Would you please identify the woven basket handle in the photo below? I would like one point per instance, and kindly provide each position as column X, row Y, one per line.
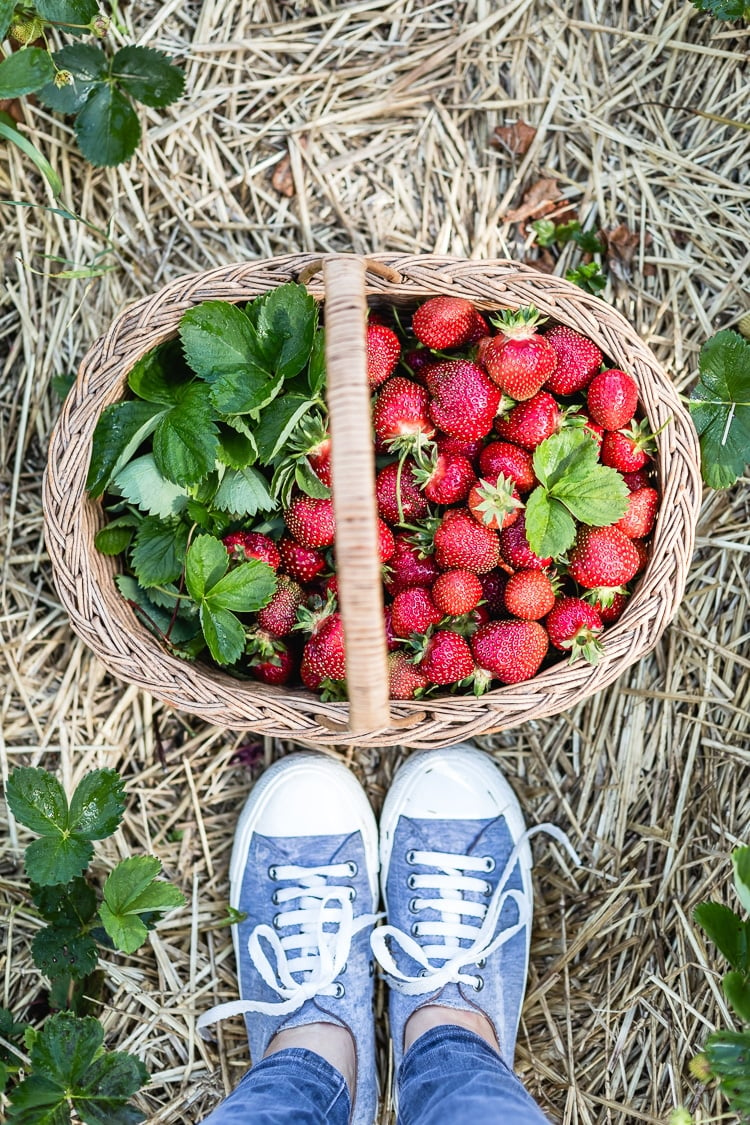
column 353, row 475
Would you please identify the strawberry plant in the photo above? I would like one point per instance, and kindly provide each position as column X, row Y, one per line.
column 720, row 407
column 67, row 1070
column 587, row 272
column 724, row 9
column 98, row 87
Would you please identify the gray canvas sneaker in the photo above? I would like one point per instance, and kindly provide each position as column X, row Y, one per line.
column 304, row 871
column 456, row 879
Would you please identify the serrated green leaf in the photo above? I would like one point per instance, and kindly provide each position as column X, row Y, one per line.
column 70, row 902
column 224, row 634
column 38, row 1101
column 160, row 376
column 720, row 408
column 286, row 323
column 308, row 481
column 597, row 497
column 120, row 430
column 57, row 859
column 97, row 805
column 316, row 375
column 728, row 1054
column 159, row 551
column 67, row 11
column 114, row 537
column 728, row 932
column 181, row 630
column 25, row 71
column 63, row 950
column 277, row 423
column 215, row 523
column 141, row 483
column 148, row 75
column 243, row 492
column 724, row 9
column 186, row 439
column 550, row 529
column 737, row 991
column 7, row 8
column 129, row 891
column 741, row 868
column 37, row 800
column 218, row 338
column 571, row 448
column 237, row 450
column 206, row 563
column 245, row 589
column 245, row 390
column 107, row 127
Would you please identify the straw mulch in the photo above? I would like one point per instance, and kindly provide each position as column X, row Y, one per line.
column 377, row 119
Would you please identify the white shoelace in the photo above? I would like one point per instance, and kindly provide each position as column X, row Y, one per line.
column 452, row 878
column 310, row 949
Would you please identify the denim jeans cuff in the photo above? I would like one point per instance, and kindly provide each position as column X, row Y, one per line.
column 450, row 1034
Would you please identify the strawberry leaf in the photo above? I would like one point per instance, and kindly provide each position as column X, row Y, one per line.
column 720, row 408
column 181, row 632
column 277, row 424
column 7, row 9
column 728, row 932
column 25, row 71
column 159, row 551
column 67, row 11
column 148, row 75
column 107, row 127
column 316, row 373
column 64, row 950
column 130, row 892
column 558, row 454
column 741, row 865
column 207, row 562
column 243, row 492
column 88, row 68
column 550, row 529
column 236, row 449
column 598, row 497
column 568, row 469
column 724, row 9
column 161, row 375
column 224, row 634
column 142, row 484
column 115, row 537
column 727, row 1053
column 186, row 439
column 737, row 991
column 121, row 429
column 286, row 321
column 222, row 347
column 245, row 589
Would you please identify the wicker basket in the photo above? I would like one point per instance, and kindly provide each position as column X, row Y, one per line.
column 85, row 578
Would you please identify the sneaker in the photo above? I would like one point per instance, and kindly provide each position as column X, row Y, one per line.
column 304, row 872
column 456, row 877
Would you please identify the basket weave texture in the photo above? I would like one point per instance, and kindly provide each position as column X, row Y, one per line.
column 85, row 578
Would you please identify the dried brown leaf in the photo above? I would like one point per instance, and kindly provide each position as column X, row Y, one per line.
column 538, row 200
column 622, row 244
column 544, row 262
column 282, row 180
column 515, row 138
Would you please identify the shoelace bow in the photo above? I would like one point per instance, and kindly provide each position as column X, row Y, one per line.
column 321, row 953
column 451, row 882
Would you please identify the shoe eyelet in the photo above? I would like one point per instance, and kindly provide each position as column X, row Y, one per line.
column 411, row 857
column 352, row 893
column 275, row 898
column 276, row 921
column 413, row 906
column 489, row 863
column 481, row 962
column 411, row 882
column 479, row 984
column 272, row 873
column 371, row 968
column 340, row 990
column 424, row 972
column 488, row 889
column 415, row 930
column 353, row 868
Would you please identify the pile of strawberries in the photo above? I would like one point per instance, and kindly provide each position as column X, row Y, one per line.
column 457, row 415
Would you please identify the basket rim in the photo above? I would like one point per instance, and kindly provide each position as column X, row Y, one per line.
column 71, row 518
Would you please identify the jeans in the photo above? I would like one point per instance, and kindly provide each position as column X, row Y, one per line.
column 449, row 1076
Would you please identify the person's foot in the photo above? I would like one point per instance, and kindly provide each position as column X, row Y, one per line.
column 304, row 872
column 456, row 879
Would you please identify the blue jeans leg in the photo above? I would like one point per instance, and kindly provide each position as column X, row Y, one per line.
column 450, row 1076
column 294, row 1085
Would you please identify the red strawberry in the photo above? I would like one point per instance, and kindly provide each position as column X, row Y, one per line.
column 639, row 518
column 445, row 478
column 493, row 592
column 480, row 330
column 447, row 658
column 416, row 361
column 413, row 611
column 463, row 544
column 456, row 592
column 331, row 586
column 520, row 361
column 495, row 503
column 609, row 613
column 386, row 542
column 515, row 549
column 468, row 449
column 300, row 562
column 444, row 322
column 641, row 478
column 510, row 460
column 627, row 450
column 414, row 504
column 400, row 415
column 644, row 553
column 465, row 401
column 531, row 422
column 408, row 569
column 311, row 521
column 612, row 399
column 405, row 678
column 280, row 615
column 511, row 650
column 579, row 418
column 276, row 669
column 529, row 594
column 323, row 655
column 574, row 625
column 383, row 350
column 243, row 545
column 578, row 360
column 391, row 639
column 602, row 558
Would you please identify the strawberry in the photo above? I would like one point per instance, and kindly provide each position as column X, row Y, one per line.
column 400, row 415
column 495, row 503
column 612, row 399
column 468, row 449
column 280, row 615
column 331, row 586
column 386, row 542
column 445, row 478
column 511, row 650
column 457, row 592
column 405, row 679
column 529, row 594
column 480, row 330
column 574, row 625
column 320, row 461
column 520, row 361
column 447, row 658
column 464, row 401
column 510, row 460
column 463, row 544
column 323, row 654
column 408, row 569
column 628, row 450
column 413, row 611
column 416, row 361
column 609, row 613
column 392, row 641
column 602, row 559
column 388, row 489
column 644, row 553
column 515, row 549
column 579, row 418
column 641, row 478
column 300, row 563
column 578, row 360
column 243, row 545
column 493, row 592
column 311, row 521
column 444, row 322
column 277, row 669
column 383, row 350
column 531, row 422
column 641, row 514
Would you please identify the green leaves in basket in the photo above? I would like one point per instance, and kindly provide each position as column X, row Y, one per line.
column 572, row 486
column 134, row 901
column 221, row 595
column 25, row 71
column 720, row 408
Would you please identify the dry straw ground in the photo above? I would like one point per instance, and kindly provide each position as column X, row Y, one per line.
column 383, row 112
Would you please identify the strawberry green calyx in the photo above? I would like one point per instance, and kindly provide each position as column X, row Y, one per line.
column 480, row 681
column 333, row 691
column 423, row 536
column 519, row 324
column 585, row 644
column 603, row 595
column 491, row 503
column 310, row 617
column 262, row 647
